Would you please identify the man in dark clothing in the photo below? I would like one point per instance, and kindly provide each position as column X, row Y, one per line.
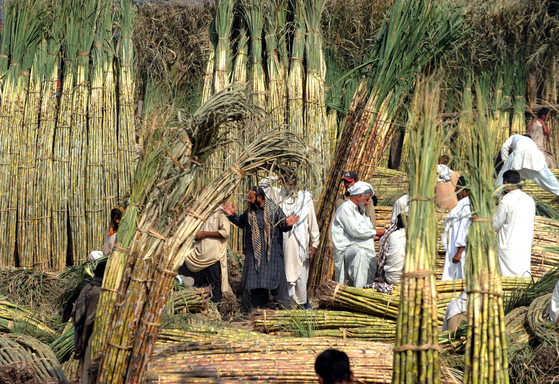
column 264, row 268
column 83, row 315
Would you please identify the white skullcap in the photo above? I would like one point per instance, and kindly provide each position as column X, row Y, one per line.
column 361, row 187
column 95, row 255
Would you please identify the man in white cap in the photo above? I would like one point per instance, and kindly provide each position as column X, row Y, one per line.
column 520, row 153
column 353, row 233
column 349, row 179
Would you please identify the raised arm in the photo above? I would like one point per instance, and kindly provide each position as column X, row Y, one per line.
column 239, row 221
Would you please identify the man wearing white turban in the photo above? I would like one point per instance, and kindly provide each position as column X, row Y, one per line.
column 355, row 260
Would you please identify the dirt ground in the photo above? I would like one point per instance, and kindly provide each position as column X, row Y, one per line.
column 546, row 360
column 18, row 373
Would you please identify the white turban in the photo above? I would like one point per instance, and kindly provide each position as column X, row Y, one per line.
column 361, row 187
column 95, row 255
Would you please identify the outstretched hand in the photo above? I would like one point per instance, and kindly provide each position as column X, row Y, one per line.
column 292, row 220
column 229, row 210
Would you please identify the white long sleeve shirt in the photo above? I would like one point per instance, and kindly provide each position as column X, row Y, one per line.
column 525, row 154
column 455, row 236
column 394, row 265
column 351, row 228
column 514, row 223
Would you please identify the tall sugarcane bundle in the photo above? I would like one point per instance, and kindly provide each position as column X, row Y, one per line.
column 486, row 348
column 224, row 25
column 25, row 183
column 296, row 80
column 396, row 56
column 277, row 91
column 270, row 321
column 518, row 122
column 126, row 129
column 16, row 348
column 210, row 66
column 24, row 26
column 95, row 194
column 168, row 249
column 241, row 57
column 253, row 14
column 416, row 356
column 45, row 177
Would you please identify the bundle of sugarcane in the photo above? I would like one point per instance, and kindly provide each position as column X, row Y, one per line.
column 516, row 330
column 385, row 333
column 518, row 124
column 486, row 349
column 63, row 346
column 286, row 360
column 270, row 321
column 544, row 259
column 190, row 300
column 15, row 318
column 368, row 124
column 540, row 324
column 454, row 341
column 535, row 288
column 416, row 352
column 21, row 348
column 165, row 232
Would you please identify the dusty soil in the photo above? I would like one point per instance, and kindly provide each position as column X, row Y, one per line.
column 546, row 360
column 18, row 373
column 229, row 304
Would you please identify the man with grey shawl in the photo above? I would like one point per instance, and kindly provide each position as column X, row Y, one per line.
column 83, row 315
column 264, row 269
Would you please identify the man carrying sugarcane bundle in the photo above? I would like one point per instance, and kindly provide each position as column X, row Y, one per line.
column 207, row 263
column 301, row 242
column 349, row 179
column 520, row 153
column 514, row 223
column 83, row 316
column 538, row 131
column 455, row 235
column 264, row 269
column 355, row 260
column 110, row 236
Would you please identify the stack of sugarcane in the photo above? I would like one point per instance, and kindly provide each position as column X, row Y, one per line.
column 540, row 323
column 190, row 300
column 56, row 63
column 14, row 318
column 486, row 349
column 516, row 331
column 165, row 231
column 416, row 352
column 16, row 348
column 63, row 346
column 195, row 356
column 377, row 99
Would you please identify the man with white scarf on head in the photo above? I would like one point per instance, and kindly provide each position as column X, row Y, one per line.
column 301, row 242
column 355, row 260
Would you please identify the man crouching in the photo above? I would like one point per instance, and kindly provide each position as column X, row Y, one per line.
column 355, row 260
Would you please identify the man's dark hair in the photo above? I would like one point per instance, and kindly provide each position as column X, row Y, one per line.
column 461, row 181
column 259, row 192
column 511, row 177
column 400, row 222
column 116, row 213
column 542, row 112
column 100, row 269
column 375, row 200
column 333, row 366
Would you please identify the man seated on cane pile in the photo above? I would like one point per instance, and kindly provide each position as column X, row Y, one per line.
column 455, row 235
column 349, row 179
column 83, row 316
column 110, row 236
column 514, row 223
column 521, row 154
column 301, row 242
column 264, row 269
column 446, row 182
column 538, row 131
column 355, row 260
column 332, row 367
column 207, row 263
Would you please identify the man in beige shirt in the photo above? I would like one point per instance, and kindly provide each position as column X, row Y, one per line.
column 207, row 263
column 349, row 179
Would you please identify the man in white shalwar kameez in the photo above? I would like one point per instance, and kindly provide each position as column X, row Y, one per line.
column 514, row 223
column 520, row 153
column 455, row 235
column 301, row 242
column 353, row 234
